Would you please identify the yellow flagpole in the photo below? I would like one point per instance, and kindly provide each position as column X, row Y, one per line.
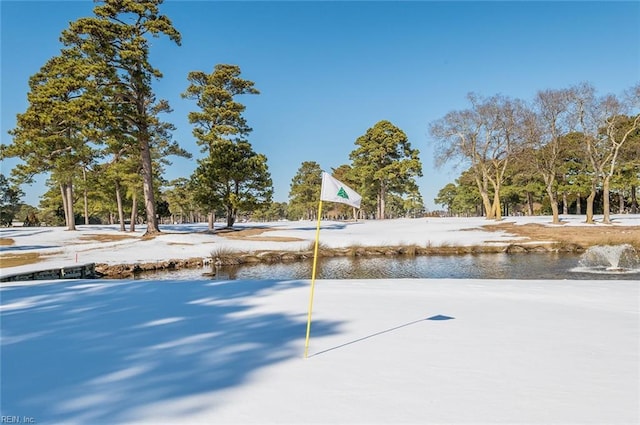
column 313, row 280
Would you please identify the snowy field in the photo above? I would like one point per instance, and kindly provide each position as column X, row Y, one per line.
column 419, row 351
column 61, row 248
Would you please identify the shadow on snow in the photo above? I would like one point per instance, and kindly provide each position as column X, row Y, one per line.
column 16, row 232
column 100, row 351
column 395, row 328
column 12, row 248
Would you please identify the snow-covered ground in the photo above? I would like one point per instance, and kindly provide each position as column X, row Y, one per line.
column 423, row 351
column 60, row 248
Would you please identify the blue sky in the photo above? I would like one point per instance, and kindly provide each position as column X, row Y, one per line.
column 328, row 71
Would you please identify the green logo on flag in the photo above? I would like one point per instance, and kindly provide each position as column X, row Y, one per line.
column 342, row 193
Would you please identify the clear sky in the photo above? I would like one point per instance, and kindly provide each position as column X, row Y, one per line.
column 328, row 71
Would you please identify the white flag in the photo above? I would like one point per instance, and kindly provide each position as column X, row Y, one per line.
column 335, row 191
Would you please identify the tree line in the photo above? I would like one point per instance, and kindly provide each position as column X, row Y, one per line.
column 566, row 146
column 94, row 124
column 383, row 170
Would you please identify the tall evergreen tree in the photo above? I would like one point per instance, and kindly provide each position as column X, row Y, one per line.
column 446, row 196
column 304, row 193
column 233, row 177
column 385, row 160
column 220, row 115
column 118, row 39
column 232, row 171
column 10, row 204
column 59, row 131
column 345, row 174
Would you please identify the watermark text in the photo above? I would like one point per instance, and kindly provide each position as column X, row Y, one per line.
column 6, row 419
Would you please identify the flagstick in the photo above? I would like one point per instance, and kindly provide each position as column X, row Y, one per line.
column 313, row 280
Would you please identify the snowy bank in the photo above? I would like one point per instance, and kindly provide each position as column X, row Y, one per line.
column 58, row 247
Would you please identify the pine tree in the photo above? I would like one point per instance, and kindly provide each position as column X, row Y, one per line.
column 232, row 176
column 304, row 194
column 9, row 201
column 59, row 131
column 384, row 161
column 117, row 39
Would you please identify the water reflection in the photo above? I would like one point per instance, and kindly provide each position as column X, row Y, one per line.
column 470, row 266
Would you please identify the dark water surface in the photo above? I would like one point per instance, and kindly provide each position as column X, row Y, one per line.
column 469, row 266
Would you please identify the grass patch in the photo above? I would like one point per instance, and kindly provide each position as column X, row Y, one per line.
column 584, row 236
column 410, row 250
column 354, row 250
column 15, row 260
column 105, row 238
column 6, row 242
column 222, row 252
column 311, row 246
column 253, row 234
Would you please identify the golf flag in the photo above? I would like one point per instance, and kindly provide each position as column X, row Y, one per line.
column 335, row 191
column 332, row 190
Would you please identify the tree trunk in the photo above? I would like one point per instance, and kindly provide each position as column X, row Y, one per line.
column 120, row 207
column 381, row 201
column 212, row 221
column 85, row 196
column 147, row 186
column 605, row 200
column 497, row 211
column 634, row 201
column 530, row 203
column 231, row 216
column 590, row 200
column 134, row 211
column 621, row 200
column 553, row 201
column 549, row 179
column 69, row 194
column 486, row 205
column 86, row 206
column 65, row 208
column 565, row 203
column 578, row 204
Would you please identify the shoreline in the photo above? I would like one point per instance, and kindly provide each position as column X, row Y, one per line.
column 232, row 258
column 190, row 245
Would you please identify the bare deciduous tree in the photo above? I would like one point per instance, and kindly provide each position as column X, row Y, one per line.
column 484, row 137
column 606, row 128
column 551, row 120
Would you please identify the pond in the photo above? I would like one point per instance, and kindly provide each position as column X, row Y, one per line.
column 469, row 266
